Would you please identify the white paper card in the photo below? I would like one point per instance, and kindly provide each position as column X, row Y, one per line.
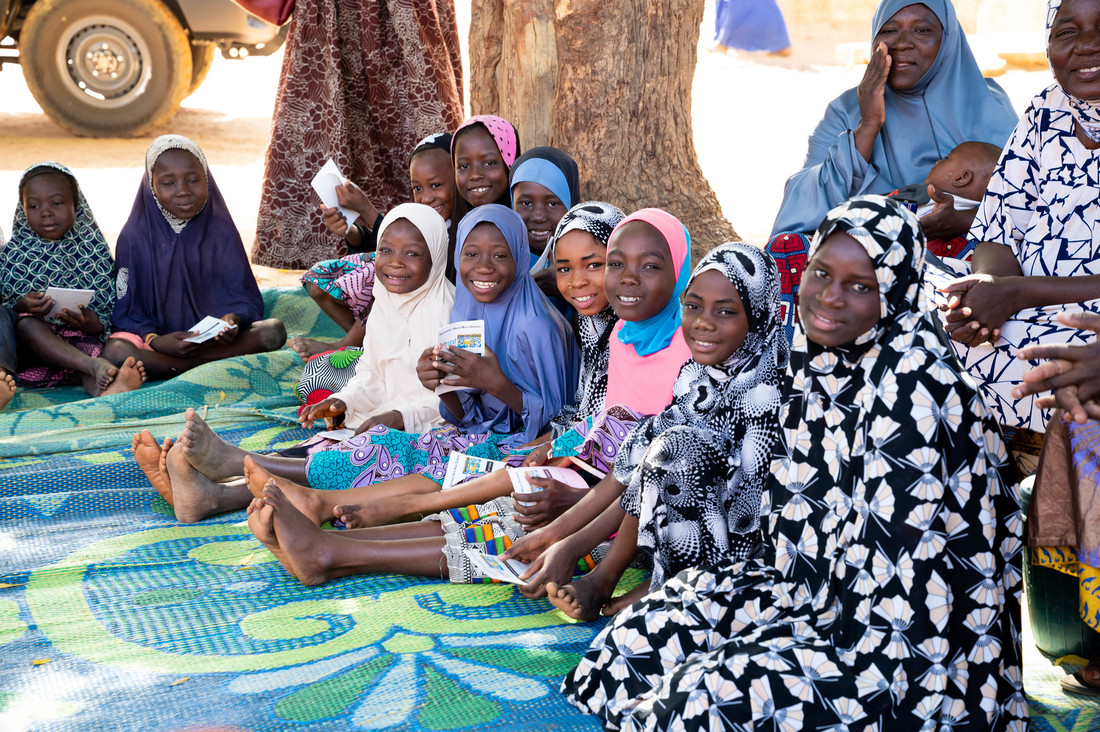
column 338, row 435
column 325, row 182
column 207, row 328
column 462, row 468
column 469, row 335
column 496, row 568
column 65, row 298
column 521, row 484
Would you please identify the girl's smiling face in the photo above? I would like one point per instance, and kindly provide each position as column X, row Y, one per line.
column 485, row 264
column 640, row 276
column 579, row 260
column 49, row 205
column 480, row 173
column 433, row 181
column 403, row 262
column 1074, row 48
column 179, row 183
column 838, row 299
column 714, row 320
column 540, row 210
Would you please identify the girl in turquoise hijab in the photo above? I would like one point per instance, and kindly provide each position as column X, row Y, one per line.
column 925, row 118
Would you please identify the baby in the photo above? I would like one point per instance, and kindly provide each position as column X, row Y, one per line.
column 964, row 174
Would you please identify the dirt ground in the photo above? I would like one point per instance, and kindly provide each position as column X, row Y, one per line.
column 752, row 116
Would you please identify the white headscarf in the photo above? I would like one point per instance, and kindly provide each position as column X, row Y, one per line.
column 400, row 328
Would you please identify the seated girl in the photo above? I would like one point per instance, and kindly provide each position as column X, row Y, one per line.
column 1038, row 231
column 56, row 243
column 180, row 259
column 414, row 298
column 342, row 287
column 691, row 476
column 483, row 150
column 647, row 270
column 506, row 397
column 544, row 184
column 889, row 596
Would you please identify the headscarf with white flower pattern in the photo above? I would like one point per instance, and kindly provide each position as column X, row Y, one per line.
column 890, row 597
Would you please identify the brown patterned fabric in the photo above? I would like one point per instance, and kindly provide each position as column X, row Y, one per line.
column 362, row 83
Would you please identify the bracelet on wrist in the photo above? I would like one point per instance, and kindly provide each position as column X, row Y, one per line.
column 149, row 337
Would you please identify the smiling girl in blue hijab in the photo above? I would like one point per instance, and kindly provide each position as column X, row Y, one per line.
column 925, row 118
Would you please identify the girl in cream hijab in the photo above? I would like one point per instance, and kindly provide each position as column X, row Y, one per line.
column 412, row 301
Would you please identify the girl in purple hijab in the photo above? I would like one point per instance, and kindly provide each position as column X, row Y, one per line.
column 179, row 260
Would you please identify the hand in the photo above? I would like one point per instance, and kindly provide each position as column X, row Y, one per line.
column 528, row 548
column 227, row 335
column 85, row 320
column 34, row 303
column 351, row 196
column 979, row 305
column 469, row 370
column 552, row 501
column 334, row 220
column 553, row 565
column 426, row 370
column 537, row 456
column 872, row 100
column 944, row 221
column 1072, row 372
column 174, row 344
column 326, row 410
column 391, row 419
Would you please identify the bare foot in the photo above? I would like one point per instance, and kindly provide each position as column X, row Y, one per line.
column 305, row 500
column 352, row 516
column 580, row 599
column 151, row 458
column 195, row 496
column 304, row 544
column 99, row 376
column 260, row 521
column 307, row 348
column 7, row 389
column 209, row 454
column 616, row 604
column 130, row 376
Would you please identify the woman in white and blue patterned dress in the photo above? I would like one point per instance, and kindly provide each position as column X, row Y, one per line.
column 1038, row 225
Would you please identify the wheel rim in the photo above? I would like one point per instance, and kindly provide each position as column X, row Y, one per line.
column 105, row 60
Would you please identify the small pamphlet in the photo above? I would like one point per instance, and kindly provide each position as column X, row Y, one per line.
column 496, row 568
column 469, row 335
column 65, row 298
column 462, row 468
column 207, row 328
column 522, row 484
column 325, row 182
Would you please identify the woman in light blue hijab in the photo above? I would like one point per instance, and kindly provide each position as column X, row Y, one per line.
column 919, row 120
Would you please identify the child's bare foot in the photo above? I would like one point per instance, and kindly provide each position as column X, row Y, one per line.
column 151, row 458
column 305, row 500
column 580, row 599
column 303, row 543
column 99, row 376
column 209, row 454
column 307, row 348
column 7, row 389
column 260, row 521
column 195, row 496
column 130, row 376
column 353, row 516
column 616, row 604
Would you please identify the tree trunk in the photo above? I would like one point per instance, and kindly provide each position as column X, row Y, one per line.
column 609, row 83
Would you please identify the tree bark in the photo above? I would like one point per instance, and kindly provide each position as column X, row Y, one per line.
column 609, row 83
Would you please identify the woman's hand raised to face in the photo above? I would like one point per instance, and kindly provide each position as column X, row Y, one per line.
column 872, row 100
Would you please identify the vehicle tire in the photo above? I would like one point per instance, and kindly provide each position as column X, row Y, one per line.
column 202, row 56
column 104, row 68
